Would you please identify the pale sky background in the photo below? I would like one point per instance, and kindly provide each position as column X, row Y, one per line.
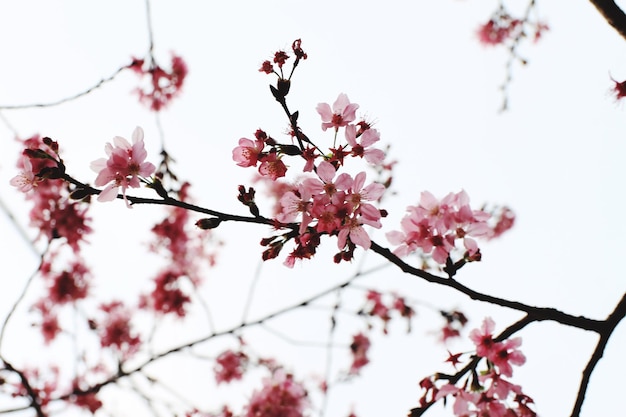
column 417, row 69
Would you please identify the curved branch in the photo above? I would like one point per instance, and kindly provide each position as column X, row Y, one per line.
column 536, row 313
column 610, row 324
column 612, row 14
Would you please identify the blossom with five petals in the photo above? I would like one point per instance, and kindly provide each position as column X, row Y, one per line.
column 342, row 113
column 126, row 163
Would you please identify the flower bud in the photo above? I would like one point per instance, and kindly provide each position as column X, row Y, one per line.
column 208, row 223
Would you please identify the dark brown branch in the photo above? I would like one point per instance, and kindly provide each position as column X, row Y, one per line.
column 34, row 397
column 536, row 313
column 612, row 14
column 609, row 326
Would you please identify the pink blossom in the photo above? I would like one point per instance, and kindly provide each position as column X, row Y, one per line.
column 359, row 348
column 505, row 353
column 280, row 396
column 293, row 204
column 435, row 225
column 53, row 214
column 116, row 330
column 359, row 194
column 25, row 180
column 342, row 113
column 230, row 366
column 163, row 85
column 354, row 230
column 70, row 285
column 248, row 152
column 362, row 148
column 167, row 297
column 483, row 338
column 272, row 166
column 498, row 29
column 126, row 163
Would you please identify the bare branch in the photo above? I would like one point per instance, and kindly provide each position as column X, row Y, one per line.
column 612, row 14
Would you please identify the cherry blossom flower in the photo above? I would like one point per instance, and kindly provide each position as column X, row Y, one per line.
column 435, row 225
column 53, row 213
column 498, row 29
column 248, row 152
column 361, row 148
column 342, row 113
column 230, row 366
column 272, row 166
column 280, row 396
column 70, row 285
column 505, row 221
column 163, row 85
column 505, row 353
column 116, row 331
column 49, row 325
column 123, row 168
column 359, row 347
column 483, row 338
column 266, row 67
column 87, row 400
column 25, row 180
column 294, row 204
column 501, row 354
column 166, row 297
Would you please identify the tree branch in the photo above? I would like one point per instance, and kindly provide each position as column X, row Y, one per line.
column 609, row 326
column 612, row 14
column 536, row 313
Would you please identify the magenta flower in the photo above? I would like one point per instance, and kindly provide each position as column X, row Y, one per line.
column 342, row 114
column 126, row 163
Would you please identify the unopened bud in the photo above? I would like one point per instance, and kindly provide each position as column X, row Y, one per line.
column 208, row 223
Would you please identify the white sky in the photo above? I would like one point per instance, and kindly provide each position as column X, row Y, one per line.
column 417, row 69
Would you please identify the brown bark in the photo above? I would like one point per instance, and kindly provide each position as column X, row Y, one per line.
column 612, row 14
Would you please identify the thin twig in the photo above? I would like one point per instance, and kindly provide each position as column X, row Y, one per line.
column 65, row 100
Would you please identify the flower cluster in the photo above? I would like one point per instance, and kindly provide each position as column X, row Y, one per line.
column 502, row 27
column 375, row 306
column 185, row 253
column 124, row 166
column 281, row 57
column 359, row 347
column 487, row 394
column 53, row 213
column 115, row 329
column 336, row 205
column 434, row 226
column 163, row 85
column 500, row 354
column 280, row 396
column 251, row 153
column 455, row 321
column 230, row 366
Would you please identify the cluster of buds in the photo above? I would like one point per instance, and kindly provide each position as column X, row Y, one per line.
column 163, row 85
